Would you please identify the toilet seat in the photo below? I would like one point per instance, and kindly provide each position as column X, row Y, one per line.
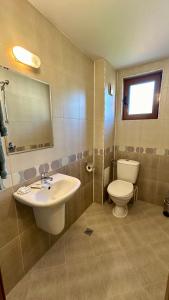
column 120, row 189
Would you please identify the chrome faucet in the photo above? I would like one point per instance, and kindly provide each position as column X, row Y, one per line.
column 45, row 179
column 45, row 182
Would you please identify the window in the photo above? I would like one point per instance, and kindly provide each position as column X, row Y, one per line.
column 141, row 96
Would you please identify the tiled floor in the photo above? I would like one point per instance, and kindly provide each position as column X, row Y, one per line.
column 124, row 259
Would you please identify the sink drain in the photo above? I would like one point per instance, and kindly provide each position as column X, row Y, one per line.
column 88, row 231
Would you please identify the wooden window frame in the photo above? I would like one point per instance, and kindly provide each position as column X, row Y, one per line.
column 127, row 82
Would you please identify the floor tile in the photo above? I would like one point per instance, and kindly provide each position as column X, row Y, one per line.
column 123, row 259
column 156, row 291
column 78, row 248
column 141, row 256
column 153, row 272
column 49, row 284
column 55, row 256
column 161, row 250
column 123, row 281
column 20, row 291
column 139, row 294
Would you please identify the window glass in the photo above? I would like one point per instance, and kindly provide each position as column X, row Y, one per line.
column 141, row 98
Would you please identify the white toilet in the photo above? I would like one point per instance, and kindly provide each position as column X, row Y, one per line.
column 121, row 190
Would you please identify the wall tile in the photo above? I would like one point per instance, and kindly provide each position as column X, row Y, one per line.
column 25, row 216
column 153, row 175
column 43, row 168
column 98, row 178
column 29, row 173
column 147, row 133
column 86, row 134
column 8, row 220
column 64, row 161
column 71, row 135
column 34, row 243
column 58, row 95
column 85, row 176
column 88, row 194
column 82, row 205
column 149, row 161
column 108, row 159
column 59, row 137
column 72, row 103
column 70, row 75
column 72, row 158
column 148, row 190
column 11, row 264
column 79, row 156
column 73, row 169
column 72, row 209
column 162, row 191
column 98, row 190
column 55, row 164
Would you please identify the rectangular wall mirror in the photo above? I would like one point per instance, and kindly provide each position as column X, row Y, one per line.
column 26, row 106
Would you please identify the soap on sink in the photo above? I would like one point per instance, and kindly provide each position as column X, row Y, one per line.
column 24, row 190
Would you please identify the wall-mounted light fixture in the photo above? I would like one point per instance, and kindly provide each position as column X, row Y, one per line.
column 24, row 56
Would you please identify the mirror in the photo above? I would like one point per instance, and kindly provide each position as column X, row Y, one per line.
column 27, row 112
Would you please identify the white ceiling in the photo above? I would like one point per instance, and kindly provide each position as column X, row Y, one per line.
column 125, row 32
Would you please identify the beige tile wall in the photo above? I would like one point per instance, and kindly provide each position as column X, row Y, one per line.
column 70, row 74
column 144, row 133
column 21, row 242
column 146, row 140
column 153, row 183
column 99, row 130
column 109, row 106
column 104, row 124
column 64, row 67
column 99, row 104
column 109, row 123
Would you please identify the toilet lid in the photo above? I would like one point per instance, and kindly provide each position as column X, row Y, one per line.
column 120, row 188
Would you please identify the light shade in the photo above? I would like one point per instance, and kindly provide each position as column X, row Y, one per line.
column 24, row 56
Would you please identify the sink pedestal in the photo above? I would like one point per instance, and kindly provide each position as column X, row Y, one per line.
column 50, row 219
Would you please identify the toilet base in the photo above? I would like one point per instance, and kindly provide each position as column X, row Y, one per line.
column 120, row 211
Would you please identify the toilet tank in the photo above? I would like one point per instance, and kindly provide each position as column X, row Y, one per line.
column 127, row 170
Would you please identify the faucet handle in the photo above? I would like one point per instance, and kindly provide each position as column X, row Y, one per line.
column 44, row 175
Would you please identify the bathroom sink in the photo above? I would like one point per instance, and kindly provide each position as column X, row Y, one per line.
column 62, row 187
column 49, row 204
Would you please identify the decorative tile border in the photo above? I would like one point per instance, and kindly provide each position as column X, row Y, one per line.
column 56, row 164
column 23, row 175
column 27, row 174
column 143, row 150
column 79, row 156
column 72, row 158
column 103, row 151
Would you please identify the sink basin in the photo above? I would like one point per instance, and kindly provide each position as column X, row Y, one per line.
column 62, row 187
column 49, row 204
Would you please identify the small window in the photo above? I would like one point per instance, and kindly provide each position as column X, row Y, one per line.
column 141, row 96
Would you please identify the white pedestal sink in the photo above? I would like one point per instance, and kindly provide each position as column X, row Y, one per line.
column 49, row 204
